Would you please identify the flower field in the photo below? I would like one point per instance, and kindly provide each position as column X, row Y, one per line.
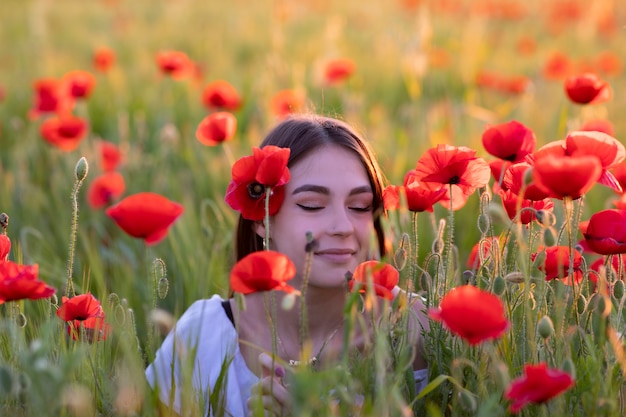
column 499, row 127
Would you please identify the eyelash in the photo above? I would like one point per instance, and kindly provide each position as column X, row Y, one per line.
column 357, row 209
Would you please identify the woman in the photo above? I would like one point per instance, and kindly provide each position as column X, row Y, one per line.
column 334, row 195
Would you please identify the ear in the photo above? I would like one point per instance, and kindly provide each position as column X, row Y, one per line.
column 259, row 229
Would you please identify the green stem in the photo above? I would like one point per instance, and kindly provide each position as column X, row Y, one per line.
column 448, row 260
column 69, row 290
column 266, row 220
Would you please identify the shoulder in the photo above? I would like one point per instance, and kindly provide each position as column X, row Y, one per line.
column 202, row 315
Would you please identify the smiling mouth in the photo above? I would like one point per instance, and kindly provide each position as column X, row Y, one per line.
column 336, row 256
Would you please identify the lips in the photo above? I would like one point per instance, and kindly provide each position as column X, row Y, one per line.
column 336, row 255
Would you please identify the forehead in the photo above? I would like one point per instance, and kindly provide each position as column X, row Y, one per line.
column 329, row 164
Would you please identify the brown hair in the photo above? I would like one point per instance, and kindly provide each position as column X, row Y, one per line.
column 302, row 134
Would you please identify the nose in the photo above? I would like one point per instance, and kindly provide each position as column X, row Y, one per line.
column 340, row 223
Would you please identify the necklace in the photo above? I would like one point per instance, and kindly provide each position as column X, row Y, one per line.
column 313, row 360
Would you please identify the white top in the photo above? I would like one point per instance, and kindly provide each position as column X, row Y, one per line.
column 203, row 340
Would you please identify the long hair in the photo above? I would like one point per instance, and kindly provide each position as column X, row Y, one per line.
column 302, row 134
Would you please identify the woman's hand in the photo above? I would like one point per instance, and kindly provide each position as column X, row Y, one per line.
column 270, row 392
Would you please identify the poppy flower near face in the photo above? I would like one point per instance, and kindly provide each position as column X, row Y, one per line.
column 510, row 141
column 145, row 215
column 79, row 84
column 110, row 156
column 511, row 202
column 457, row 166
column 262, row 271
column 64, row 132
column 5, row 247
column 338, row 70
column 221, row 95
column 105, row 188
column 251, row 175
column 538, row 385
column 587, row 88
column 606, row 232
column 176, row 64
column 557, row 263
column 103, row 59
column 383, row 275
column 566, row 176
column 80, row 307
column 19, row 282
column 216, row 128
column 286, row 102
column 472, row 314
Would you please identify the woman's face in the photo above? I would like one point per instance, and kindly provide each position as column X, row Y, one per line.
column 329, row 195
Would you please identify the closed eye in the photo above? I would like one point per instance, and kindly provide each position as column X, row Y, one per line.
column 309, row 208
column 361, row 209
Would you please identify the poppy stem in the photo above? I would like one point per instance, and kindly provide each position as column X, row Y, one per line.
column 448, row 264
column 414, row 254
column 80, row 174
column 266, row 220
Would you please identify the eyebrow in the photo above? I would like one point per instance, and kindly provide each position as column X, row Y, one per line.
column 326, row 191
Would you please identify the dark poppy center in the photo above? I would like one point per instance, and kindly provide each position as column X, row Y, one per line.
column 256, row 190
column 454, row 180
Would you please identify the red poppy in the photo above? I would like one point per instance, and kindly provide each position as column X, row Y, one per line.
column 419, row 196
column 599, row 125
column 516, row 84
column 557, row 263
column 510, row 141
column 79, row 84
column 498, row 167
column 538, row 384
column 391, row 196
column 262, row 271
column 455, row 200
column 176, row 64
column 105, row 188
column 471, row 313
column 286, row 102
column 19, row 282
column 50, row 97
column 221, row 95
column 5, row 247
column 587, row 88
column 601, row 263
column 605, row 147
column 558, row 66
column 145, row 215
column 457, row 166
column 85, row 316
column 64, row 132
column 110, row 156
column 515, row 181
column 474, row 260
column 251, row 175
column 103, row 59
column 606, row 232
column 384, row 278
column 566, row 176
column 511, row 203
column 80, row 307
column 216, row 128
column 338, row 70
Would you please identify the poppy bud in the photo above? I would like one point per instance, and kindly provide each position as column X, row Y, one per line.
column 81, row 170
column 581, row 304
column 438, row 246
column 4, row 221
column 400, row 258
column 545, row 218
column 20, row 320
column 311, row 243
column 163, row 287
column 468, row 400
column 545, row 327
column 515, row 277
column 618, row 290
column 468, row 277
column 425, row 281
column 528, row 177
column 499, row 285
column 484, row 222
column 288, row 301
column 569, row 367
column 549, row 238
